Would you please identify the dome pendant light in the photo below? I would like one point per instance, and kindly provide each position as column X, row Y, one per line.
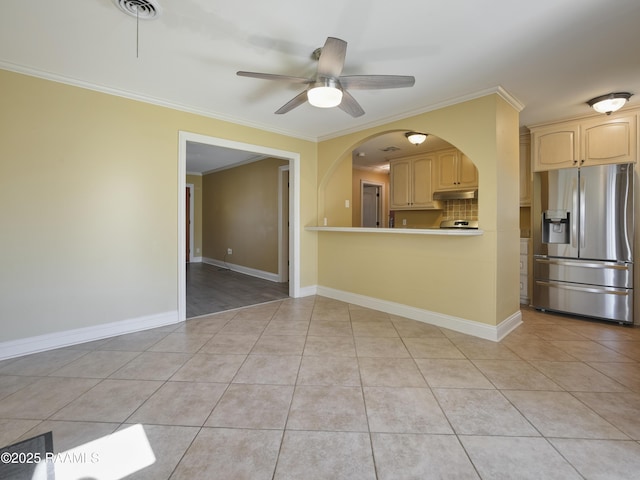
column 610, row 102
column 415, row 137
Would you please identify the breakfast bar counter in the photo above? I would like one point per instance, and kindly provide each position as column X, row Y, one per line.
column 454, row 232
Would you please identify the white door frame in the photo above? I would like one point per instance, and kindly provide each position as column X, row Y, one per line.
column 380, row 204
column 294, row 207
column 283, row 227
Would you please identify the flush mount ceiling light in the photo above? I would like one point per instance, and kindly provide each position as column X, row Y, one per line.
column 325, row 94
column 610, row 102
column 415, row 137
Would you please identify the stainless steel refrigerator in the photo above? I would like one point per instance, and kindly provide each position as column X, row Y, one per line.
column 583, row 242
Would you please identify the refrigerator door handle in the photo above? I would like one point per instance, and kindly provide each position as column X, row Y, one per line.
column 583, row 289
column 616, row 266
column 574, row 219
column 583, row 213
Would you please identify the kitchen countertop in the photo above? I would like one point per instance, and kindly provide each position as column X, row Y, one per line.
column 454, row 232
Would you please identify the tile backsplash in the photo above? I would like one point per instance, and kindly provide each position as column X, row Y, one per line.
column 460, row 209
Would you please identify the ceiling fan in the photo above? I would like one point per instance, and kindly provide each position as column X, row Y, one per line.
column 327, row 88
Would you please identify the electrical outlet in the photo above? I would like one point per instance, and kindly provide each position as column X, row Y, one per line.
column 404, row 221
column 229, row 251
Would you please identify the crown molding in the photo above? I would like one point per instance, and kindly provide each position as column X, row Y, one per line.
column 145, row 99
column 498, row 90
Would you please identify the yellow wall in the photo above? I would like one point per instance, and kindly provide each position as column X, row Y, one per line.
column 88, row 202
column 89, row 198
column 335, row 194
column 241, row 212
column 418, row 218
column 474, row 278
column 196, row 181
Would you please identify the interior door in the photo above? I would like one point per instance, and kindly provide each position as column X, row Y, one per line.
column 188, row 222
column 370, row 206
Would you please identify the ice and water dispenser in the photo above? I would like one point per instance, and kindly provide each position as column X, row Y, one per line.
column 555, row 226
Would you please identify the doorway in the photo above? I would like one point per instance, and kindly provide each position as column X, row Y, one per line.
column 293, row 233
column 371, row 202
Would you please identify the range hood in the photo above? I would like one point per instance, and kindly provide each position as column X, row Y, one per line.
column 456, row 194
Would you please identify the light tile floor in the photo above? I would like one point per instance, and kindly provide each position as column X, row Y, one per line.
column 316, row 388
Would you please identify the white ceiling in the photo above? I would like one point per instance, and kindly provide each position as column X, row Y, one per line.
column 203, row 158
column 551, row 55
column 375, row 153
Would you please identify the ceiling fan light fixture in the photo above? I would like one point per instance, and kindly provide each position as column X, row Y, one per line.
column 610, row 102
column 328, row 87
column 324, row 96
column 416, row 137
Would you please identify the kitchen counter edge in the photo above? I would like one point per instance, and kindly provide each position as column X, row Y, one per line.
column 403, row 231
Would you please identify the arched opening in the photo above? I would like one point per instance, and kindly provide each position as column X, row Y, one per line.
column 409, row 186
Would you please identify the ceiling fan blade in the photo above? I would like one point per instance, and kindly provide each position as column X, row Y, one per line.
column 271, row 76
column 350, row 105
column 293, row 103
column 373, row 82
column 332, row 58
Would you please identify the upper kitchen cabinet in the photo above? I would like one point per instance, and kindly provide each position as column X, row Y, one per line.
column 613, row 141
column 455, row 171
column 592, row 141
column 555, row 147
column 411, row 183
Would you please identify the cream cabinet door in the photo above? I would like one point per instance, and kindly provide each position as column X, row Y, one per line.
column 400, row 176
column 454, row 171
column 611, row 141
column 468, row 173
column 422, row 183
column 447, row 175
column 556, row 147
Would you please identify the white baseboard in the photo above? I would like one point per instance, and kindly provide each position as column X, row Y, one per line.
column 307, row 291
column 477, row 329
column 50, row 341
column 196, row 260
column 272, row 277
column 508, row 325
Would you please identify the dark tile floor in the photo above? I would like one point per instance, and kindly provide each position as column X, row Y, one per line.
column 211, row 289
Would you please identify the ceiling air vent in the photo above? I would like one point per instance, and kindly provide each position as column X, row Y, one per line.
column 142, row 9
column 391, row 148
